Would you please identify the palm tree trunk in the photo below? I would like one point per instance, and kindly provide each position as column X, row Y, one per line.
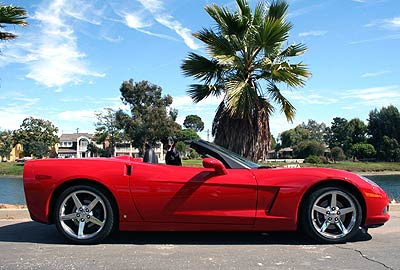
column 249, row 137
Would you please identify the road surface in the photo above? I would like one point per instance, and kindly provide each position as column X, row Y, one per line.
column 29, row 245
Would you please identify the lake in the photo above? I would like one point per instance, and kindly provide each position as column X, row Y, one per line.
column 12, row 189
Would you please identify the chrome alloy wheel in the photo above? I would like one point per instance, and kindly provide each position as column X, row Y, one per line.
column 334, row 214
column 82, row 214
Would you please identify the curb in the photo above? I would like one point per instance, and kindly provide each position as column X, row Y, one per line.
column 14, row 214
column 24, row 213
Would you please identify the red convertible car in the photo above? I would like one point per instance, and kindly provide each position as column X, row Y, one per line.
column 89, row 198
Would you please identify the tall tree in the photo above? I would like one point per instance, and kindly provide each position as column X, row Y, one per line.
column 294, row 136
column 383, row 122
column 317, row 130
column 338, row 134
column 357, row 131
column 6, row 144
column 249, row 62
column 37, row 136
column 149, row 120
column 194, row 122
column 11, row 15
column 108, row 129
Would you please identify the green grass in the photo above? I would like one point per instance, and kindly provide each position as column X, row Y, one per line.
column 359, row 166
column 344, row 165
column 11, row 168
column 193, row 163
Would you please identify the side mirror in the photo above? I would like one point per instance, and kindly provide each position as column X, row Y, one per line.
column 216, row 165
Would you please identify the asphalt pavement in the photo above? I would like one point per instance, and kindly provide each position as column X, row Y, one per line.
column 25, row 244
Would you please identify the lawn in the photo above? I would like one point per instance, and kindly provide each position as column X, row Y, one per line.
column 193, row 163
column 344, row 165
column 359, row 166
column 11, row 168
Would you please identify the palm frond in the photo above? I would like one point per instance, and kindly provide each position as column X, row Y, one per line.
column 198, row 92
column 286, row 107
column 244, row 8
column 241, row 98
column 273, row 33
column 292, row 75
column 278, row 9
column 7, row 36
column 201, row 68
column 217, row 46
column 259, row 13
column 229, row 23
column 12, row 15
column 294, row 50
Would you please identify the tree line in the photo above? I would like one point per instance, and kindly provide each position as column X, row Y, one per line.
column 150, row 120
column 379, row 139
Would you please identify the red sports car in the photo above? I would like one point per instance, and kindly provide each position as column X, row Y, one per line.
column 88, row 198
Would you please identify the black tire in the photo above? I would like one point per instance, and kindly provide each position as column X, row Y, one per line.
column 313, row 221
column 102, row 211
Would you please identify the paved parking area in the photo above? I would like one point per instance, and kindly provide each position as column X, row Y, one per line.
column 29, row 245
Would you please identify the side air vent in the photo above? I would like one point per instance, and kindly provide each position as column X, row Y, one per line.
column 128, row 169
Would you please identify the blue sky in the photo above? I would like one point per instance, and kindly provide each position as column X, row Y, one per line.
column 72, row 58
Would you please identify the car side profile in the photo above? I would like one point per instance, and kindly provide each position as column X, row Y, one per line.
column 89, row 198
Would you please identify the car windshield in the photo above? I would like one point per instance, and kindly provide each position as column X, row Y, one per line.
column 239, row 158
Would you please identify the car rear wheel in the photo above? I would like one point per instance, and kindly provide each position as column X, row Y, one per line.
column 84, row 214
column 331, row 215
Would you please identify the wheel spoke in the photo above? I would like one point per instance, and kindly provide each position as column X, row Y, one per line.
column 341, row 226
column 333, row 200
column 93, row 203
column 81, row 228
column 345, row 211
column 96, row 221
column 77, row 202
column 324, row 226
column 319, row 209
column 68, row 216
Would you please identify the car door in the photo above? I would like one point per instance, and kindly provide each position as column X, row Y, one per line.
column 163, row 193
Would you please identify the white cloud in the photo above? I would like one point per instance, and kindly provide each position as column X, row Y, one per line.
column 135, row 21
column 308, row 97
column 389, row 23
column 315, row 33
column 78, row 116
column 12, row 114
column 51, row 54
column 375, row 96
column 375, row 74
column 387, row 37
column 161, row 15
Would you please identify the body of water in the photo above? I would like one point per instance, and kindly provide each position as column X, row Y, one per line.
column 12, row 189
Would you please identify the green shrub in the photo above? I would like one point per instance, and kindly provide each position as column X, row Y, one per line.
column 309, row 148
column 363, row 150
column 337, row 154
column 313, row 159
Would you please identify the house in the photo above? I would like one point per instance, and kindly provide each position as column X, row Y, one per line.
column 16, row 153
column 123, row 149
column 286, row 152
column 74, row 145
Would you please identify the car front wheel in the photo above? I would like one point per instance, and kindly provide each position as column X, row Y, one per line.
column 84, row 214
column 331, row 215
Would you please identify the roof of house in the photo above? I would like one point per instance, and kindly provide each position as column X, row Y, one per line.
column 66, row 137
column 66, row 151
column 286, row 149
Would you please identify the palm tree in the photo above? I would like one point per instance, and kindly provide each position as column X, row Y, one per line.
column 11, row 15
column 248, row 65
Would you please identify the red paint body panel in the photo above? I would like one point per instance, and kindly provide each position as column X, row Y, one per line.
column 162, row 197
